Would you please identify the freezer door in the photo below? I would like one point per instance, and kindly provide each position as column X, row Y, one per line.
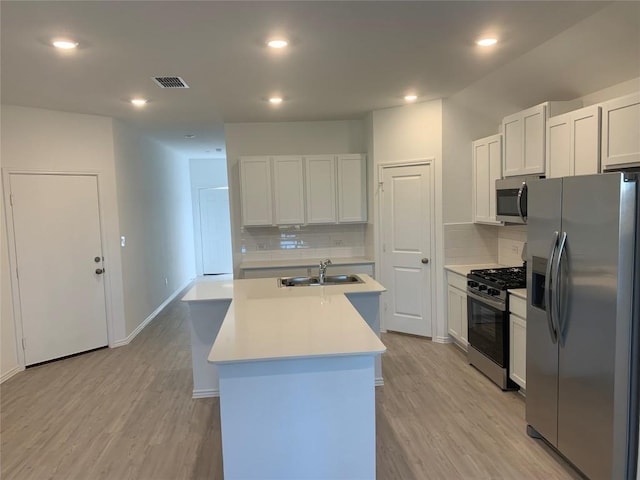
column 596, row 280
column 544, row 222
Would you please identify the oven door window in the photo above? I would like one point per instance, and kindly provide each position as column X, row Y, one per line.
column 507, row 204
column 488, row 330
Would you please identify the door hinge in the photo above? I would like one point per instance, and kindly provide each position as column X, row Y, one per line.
column 385, row 306
column 17, row 275
column 24, row 343
column 11, row 199
column 384, row 247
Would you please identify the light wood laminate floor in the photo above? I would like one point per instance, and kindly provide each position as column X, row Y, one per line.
column 127, row 413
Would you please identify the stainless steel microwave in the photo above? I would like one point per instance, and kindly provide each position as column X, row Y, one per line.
column 511, row 199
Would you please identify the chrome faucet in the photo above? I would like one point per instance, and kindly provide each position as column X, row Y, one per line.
column 323, row 270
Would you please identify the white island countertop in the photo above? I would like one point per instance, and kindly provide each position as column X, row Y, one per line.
column 267, row 322
column 296, row 327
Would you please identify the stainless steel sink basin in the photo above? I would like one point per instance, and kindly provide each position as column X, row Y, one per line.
column 315, row 281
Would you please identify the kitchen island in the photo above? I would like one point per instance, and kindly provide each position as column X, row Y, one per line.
column 296, row 374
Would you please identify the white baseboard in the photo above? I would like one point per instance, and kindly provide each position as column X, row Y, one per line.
column 446, row 339
column 7, row 375
column 154, row 314
column 206, row 393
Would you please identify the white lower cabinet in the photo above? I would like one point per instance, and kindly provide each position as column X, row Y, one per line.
column 457, row 309
column 518, row 341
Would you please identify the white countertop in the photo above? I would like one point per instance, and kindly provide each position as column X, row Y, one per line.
column 518, row 292
column 252, row 288
column 299, row 327
column 267, row 322
column 465, row 269
column 302, row 262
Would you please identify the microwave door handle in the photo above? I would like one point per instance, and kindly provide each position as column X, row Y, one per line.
column 548, row 285
column 520, row 195
column 556, row 287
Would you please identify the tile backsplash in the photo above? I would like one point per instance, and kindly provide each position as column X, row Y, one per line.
column 308, row 241
column 470, row 243
column 511, row 240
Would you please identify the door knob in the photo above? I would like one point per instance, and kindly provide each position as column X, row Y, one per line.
column 425, row 260
column 99, row 271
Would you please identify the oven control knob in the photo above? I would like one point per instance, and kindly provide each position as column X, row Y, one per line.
column 493, row 291
column 472, row 284
column 482, row 287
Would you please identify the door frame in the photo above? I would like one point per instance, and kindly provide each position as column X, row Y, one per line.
column 433, row 246
column 13, row 263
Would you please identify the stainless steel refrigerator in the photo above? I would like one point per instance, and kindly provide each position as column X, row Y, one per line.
column 583, row 320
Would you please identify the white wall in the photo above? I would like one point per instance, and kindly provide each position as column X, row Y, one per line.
column 407, row 133
column 154, row 204
column 205, row 173
column 45, row 140
column 284, row 138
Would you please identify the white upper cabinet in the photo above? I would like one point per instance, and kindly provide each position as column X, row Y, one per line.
column 573, row 143
column 255, row 190
column 352, row 188
column 524, row 138
column 288, row 190
column 620, row 132
column 320, row 175
column 487, row 168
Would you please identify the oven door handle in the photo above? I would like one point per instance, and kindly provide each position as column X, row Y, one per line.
column 548, row 286
column 487, row 301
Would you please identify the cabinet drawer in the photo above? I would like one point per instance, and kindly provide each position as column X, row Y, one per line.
column 457, row 280
column 518, row 306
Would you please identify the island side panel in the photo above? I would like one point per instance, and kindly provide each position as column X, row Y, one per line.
column 299, row 419
column 205, row 318
column 368, row 306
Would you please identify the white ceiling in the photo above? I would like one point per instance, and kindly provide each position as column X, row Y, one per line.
column 346, row 58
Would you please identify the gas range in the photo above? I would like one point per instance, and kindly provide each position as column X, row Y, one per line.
column 492, row 283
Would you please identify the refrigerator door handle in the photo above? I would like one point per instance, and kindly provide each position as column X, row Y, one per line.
column 520, row 195
column 556, row 286
column 548, row 285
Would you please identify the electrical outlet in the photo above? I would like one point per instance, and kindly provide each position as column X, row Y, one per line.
column 515, row 250
column 337, row 242
column 262, row 246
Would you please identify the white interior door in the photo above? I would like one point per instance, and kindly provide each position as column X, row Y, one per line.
column 56, row 223
column 406, row 257
column 215, row 231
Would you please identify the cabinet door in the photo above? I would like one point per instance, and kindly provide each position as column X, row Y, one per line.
column 320, row 174
column 512, row 131
column 533, row 137
column 518, row 350
column 620, row 127
column 487, row 168
column 352, row 188
column 454, row 312
column 288, row 182
column 481, row 181
column 255, row 190
column 559, row 161
column 585, row 140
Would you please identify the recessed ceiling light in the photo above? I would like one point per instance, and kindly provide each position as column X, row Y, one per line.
column 487, row 42
column 64, row 44
column 275, row 100
column 410, row 98
column 190, row 135
column 139, row 102
column 277, row 43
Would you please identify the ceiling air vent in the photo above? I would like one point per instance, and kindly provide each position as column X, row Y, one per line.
column 170, row 82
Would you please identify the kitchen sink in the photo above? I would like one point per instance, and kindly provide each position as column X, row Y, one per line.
column 315, row 281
